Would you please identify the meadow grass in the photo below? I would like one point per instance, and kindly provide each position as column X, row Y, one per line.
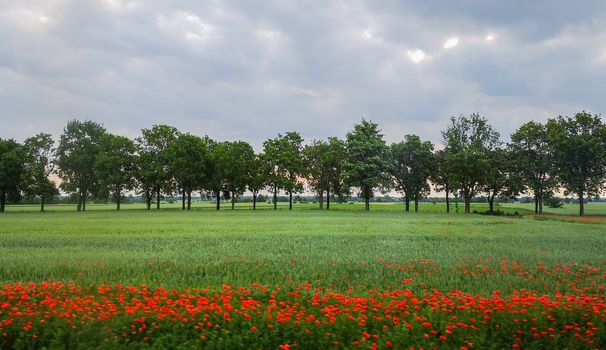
column 204, row 248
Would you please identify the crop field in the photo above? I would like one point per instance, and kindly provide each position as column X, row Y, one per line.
column 301, row 279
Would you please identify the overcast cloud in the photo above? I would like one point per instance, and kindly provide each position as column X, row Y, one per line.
column 249, row 70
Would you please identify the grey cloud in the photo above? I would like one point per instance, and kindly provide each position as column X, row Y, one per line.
column 248, row 70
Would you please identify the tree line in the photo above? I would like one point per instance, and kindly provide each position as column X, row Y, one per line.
column 566, row 153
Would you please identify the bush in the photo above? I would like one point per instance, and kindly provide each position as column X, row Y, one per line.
column 554, row 202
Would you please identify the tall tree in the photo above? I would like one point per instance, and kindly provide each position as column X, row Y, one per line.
column 579, row 149
column 533, row 161
column 366, row 164
column 257, row 176
column 155, row 164
column 502, row 179
column 77, row 154
column 188, row 155
column 324, row 168
column 277, row 174
column 413, row 163
column 469, row 141
column 215, row 182
column 441, row 178
column 12, row 168
column 116, row 165
column 40, row 164
column 238, row 161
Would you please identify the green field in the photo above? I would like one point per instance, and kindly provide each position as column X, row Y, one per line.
column 344, row 251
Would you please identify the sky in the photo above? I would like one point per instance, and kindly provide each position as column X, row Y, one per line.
column 248, row 70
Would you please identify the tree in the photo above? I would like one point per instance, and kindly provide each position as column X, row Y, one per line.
column 116, row 165
column 440, row 176
column 77, row 154
column 215, row 182
column 12, row 168
column 366, row 164
column 257, row 177
column 283, row 155
column 469, row 141
column 579, row 154
column 533, row 161
column 40, row 164
column 188, row 155
column 324, row 170
column 413, row 163
column 154, row 161
column 238, row 158
column 501, row 177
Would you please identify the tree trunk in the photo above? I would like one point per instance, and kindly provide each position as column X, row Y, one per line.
column 366, row 203
column 536, row 203
column 118, row 195
column 581, row 205
column 233, row 201
column 148, row 199
column 321, row 199
column 416, row 204
column 540, row 202
column 491, row 203
column 42, row 203
column 2, row 201
column 84, row 200
column 183, row 199
column 327, row 199
column 79, row 205
column 447, row 201
column 407, row 201
column 254, row 200
column 218, row 194
column 290, row 200
column 275, row 197
column 468, row 205
column 189, row 200
column 158, row 198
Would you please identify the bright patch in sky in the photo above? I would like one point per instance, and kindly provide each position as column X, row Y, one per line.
column 416, row 56
column 489, row 37
column 451, row 43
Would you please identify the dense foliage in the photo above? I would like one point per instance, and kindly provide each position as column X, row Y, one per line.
column 565, row 152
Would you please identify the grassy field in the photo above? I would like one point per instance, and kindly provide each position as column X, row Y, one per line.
column 313, row 254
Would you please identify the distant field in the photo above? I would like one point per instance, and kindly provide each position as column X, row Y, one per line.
column 591, row 209
column 286, row 278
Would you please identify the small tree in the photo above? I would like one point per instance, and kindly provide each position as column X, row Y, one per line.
column 469, row 141
column 188, row 155
column 579, row 149
column 257, row 177
column 154, row 161
column 77, row 154
column 413, row 163
column 441, row 178
column 237, row 164
column 116, row 165
column 12, row 169
column 533, row 161
column 40, row 164
column 324, row 168
column 366, row 164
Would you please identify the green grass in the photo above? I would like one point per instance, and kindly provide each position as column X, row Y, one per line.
column 208, row 248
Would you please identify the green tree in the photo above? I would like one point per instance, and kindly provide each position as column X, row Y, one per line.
column 154, row 170
column 533, row 161
column 413, row 164
column 284, row 156
column 116, row 165
column 77, row 154
column 40, row 164
column 188, row 155
column 257, row 176
column 579, row 154
column 469, row 141
column 441, row 178
column 12, row 168
column 324, row 168
column 502, row 179
column 215, row 182
column 366, row 164
column 238, row 161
